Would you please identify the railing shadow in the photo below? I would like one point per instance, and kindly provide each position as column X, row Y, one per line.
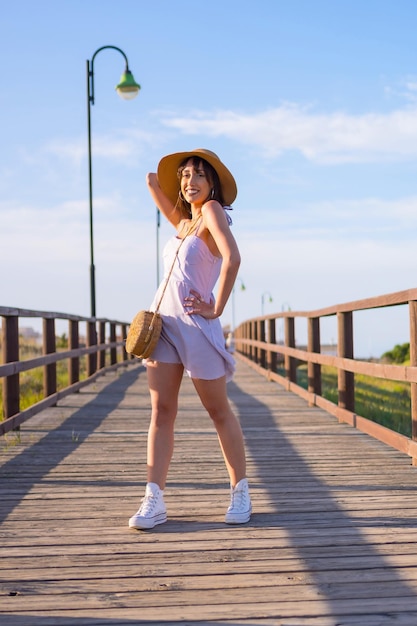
column 284, row 475
column 288, row 478
column 111, row 396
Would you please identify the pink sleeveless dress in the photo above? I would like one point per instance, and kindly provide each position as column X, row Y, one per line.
column 194, row 341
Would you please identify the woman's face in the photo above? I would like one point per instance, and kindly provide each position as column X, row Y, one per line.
column 195, row 186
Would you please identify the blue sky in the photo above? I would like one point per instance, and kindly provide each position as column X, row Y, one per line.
column 311, row 103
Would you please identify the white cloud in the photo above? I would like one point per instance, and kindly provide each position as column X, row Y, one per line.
column 358, row 220
column 406, row 91
column 124, row 145
column 323, row 138
column 104, row 147
column 50, row 271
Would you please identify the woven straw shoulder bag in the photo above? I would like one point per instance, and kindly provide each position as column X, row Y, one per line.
column 146, row 327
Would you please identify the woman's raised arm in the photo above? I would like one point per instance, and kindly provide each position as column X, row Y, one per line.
column 163, row 203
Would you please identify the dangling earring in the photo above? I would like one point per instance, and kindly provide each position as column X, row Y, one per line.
column 181, row 197
column 212, row 193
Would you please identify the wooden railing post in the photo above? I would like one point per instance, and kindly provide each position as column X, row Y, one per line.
column 272, row 356
column 313, row 345
column 11, row 365
column 73, row 344
column 11, row 384
column 252, row 335
column 238, row 333
column 126, row 356
column 244, row 334
column 255, row 337
column 102, row 341
column 261, row 337
column 49, row 347
column 289, row 361
column 346, row 380
column 113, row 351
column 91, row 341
column 412, row 305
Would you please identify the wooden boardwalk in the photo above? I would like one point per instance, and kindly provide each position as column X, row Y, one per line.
column 332, row 541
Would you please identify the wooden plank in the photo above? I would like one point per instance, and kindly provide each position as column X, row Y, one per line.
column 332, row 539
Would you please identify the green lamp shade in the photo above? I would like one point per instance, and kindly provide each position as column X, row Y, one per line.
column 128, row 87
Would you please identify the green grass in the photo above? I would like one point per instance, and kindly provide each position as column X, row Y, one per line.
column 31, row 382
column 382, row 401
column 385, row 402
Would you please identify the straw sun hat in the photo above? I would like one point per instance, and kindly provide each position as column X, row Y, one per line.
column 170, row 185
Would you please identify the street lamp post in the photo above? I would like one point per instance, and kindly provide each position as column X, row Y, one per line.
column 127, row 89
column 263, row 300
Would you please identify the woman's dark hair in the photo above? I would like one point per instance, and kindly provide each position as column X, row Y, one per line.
column 212, row 177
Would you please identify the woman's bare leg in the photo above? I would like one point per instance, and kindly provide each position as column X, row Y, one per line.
column 213, row 395
column 164, row 381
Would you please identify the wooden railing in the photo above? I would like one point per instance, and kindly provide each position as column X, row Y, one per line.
column 103, row 348
column 256, row 342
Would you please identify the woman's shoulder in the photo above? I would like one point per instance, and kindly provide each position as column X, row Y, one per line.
column 212, row 209
column 211, row 205
column 214, row 212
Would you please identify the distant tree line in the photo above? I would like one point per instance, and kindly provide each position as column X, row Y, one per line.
column 399, row 354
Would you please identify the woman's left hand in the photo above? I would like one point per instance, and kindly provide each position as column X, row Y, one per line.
column 194, row 304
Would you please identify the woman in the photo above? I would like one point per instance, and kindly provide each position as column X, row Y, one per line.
column 191, row 189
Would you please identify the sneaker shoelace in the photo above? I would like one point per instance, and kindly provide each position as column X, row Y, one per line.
column 148, row 505
column 238, row 500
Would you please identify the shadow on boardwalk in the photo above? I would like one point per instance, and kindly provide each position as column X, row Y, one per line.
column 331, row 543
column 33, row 465
column 307, row 474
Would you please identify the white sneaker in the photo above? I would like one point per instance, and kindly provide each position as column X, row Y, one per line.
column 240, row 508
column 152, row 511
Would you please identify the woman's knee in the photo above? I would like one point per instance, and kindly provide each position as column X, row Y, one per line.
column 163, row 413
column 220, row 414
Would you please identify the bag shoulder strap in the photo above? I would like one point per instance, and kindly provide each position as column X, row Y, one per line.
column 190, row 231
